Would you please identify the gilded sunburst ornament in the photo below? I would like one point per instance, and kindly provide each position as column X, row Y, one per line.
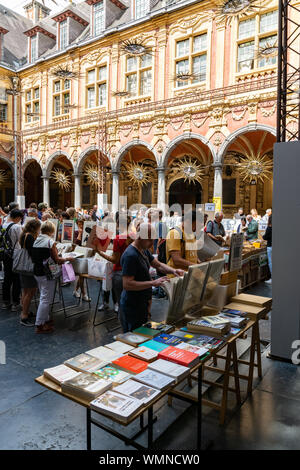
column 255, row 168
column 135, row 48
column 138, row 174
column 91, row 172
column 189, row 170
column 227, row 10
column 63, row 180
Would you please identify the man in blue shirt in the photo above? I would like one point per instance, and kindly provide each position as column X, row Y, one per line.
column 137, row 282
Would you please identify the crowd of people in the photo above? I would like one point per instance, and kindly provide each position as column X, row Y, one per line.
column 148, row 239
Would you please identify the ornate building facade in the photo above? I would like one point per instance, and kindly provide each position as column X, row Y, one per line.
column 138, row 91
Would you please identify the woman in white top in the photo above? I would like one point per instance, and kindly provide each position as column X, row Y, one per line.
column 43, row 248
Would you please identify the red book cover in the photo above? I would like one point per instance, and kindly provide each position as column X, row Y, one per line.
column 130, row 364
column 180, row 356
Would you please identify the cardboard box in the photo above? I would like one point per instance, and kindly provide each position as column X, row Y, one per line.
column 228, row 278
column 256, row 300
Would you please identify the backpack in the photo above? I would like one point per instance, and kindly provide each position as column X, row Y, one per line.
column 6, row 246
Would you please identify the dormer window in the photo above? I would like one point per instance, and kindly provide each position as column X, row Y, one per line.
column 98, row 18
column 141, row 8
column 33, row 49
column 63, row 34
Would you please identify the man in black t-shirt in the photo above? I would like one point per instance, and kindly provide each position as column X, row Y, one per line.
column 137, row 282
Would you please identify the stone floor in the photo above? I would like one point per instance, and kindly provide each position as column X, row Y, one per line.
column 34, row 418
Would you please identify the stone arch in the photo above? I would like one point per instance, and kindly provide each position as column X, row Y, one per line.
column 187, row 136
column 84, row 155
column 8, row 161
column 30, row 160
column 243, row 130
column 51, row 160
column 123, row 150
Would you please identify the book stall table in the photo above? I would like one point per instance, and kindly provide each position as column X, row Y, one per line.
column 196, row 372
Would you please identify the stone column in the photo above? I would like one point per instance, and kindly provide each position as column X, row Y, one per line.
column 218, row 185
column 46, row 189
column 161, row 188
column 115, row 191
column 77, row 190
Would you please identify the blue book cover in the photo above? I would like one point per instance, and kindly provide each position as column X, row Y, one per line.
column 170, row 340
column 154, row 345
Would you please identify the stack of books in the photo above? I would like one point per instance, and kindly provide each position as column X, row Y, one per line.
column 60, row 374
column 144, row 353
column 208, row 327
column 131, row 338
column 179, row 356
column 173, row 370
column 104, row 353
column 86, row 386
column 117, row 406
column 116, row 376
column 155, row 379
column 137, row 390
column 85, row 363
column 130, row 364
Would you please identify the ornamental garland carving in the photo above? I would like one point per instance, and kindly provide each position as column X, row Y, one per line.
column 199, row 119
column 268, row 110
column 238, row 117
column 190, row 22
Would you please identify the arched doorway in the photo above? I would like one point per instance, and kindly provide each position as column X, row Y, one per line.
column 247, row 193
column 61, row 197
column 33, row 185
column 190, row 174
column 6, row 183
column 183, row 192
column 138, row 177
column 89, row 177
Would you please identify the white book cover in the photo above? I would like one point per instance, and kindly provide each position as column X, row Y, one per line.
column 60, row 373
column 117, row 376
column 104, row 354
column 116, row 404
column 154, row 379
column 169, row 368
column 194, row 349
column 137, row 390
column 119, row 347
column 144, row 353
column 88, row 383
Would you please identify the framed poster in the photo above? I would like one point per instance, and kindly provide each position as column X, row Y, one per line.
column 67, row 234
column 236, row 251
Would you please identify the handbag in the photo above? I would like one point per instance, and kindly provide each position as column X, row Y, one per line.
column 51, row 269
column 68, row 274
column 22, row 262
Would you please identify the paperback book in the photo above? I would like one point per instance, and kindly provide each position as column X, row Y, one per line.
column 202, row 326
column 119, row 347
column 161, row 327
column 86, row 386
column 171, row 369
column 116, row 376
column 131, row 339
column 85, row 363
column 116, row 405
column 130, row 364
column 155, row 379
column 138, row 390
column 144, row 353
column 169, row 340
column 155, row 345
column 104, row 353
column 179, row 356
column 60, row 374
column 145, row 331
column 200, row 351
